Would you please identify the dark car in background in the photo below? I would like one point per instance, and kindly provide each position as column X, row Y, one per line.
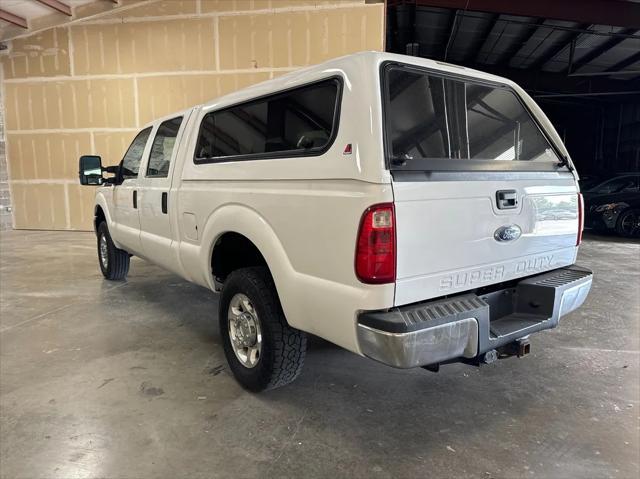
column 589, row 180
column 614, row 205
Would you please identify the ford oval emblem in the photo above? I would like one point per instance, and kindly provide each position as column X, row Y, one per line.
column 507, row 233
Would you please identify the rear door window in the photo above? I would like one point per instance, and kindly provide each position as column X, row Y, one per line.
column 298, row 122
column 162, row 148
column 436, row 122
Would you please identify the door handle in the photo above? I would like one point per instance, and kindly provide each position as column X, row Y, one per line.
column 506, row 199
column 135, row 199
column 164, row 202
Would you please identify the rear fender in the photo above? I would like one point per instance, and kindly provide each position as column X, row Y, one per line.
column 316, row 305
column 249, row 223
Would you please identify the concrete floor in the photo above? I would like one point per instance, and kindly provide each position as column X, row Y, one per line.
column 102, row 379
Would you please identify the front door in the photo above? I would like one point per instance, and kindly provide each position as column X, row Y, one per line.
column 125, row 196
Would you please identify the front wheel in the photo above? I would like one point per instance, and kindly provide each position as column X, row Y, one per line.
column 628, row 224
column 262, row 350
column 114, row 262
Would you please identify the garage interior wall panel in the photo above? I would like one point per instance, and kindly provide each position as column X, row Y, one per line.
column 139, row 47
column 43, row 55
column 159, row 96
column 70, row 104
column 88, row 87
column 161, row 8
column 43, row 156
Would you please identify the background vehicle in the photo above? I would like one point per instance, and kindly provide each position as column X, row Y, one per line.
column 618, row 212
column 589, row 180
column 613, row 205
column 407, row 210
column 624, row 182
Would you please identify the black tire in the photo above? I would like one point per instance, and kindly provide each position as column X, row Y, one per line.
column 628, row 224
column 282, row 349
column 116, row 265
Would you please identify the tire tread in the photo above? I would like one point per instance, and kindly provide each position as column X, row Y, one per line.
column 118, row 259
column 289, row 344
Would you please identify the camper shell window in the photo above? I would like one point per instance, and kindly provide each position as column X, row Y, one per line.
column 302, row 121
column 441, row 122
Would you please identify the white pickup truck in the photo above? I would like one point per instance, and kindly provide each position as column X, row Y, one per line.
column 411, row 211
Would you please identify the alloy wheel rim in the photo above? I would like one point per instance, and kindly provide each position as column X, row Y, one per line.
column 104, row 251
column 631, row 223
column 244, row 330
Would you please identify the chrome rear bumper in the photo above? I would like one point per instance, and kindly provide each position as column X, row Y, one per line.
column 467, row 325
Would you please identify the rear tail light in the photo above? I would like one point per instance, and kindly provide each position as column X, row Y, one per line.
column 580, row 218
column 376, row 246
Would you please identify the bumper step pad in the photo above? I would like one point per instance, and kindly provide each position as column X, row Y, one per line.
column 534, row 304
column 433, row 313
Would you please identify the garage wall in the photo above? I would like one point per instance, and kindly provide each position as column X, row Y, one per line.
column 88, row 86
column 5, row 197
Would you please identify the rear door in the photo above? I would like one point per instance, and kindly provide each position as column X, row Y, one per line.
column 479, row 194
column 156, row 231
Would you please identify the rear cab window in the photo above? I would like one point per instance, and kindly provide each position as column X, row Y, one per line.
column 299, row 122
column 435, row 121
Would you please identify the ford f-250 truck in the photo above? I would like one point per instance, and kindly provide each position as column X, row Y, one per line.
column 408, row 210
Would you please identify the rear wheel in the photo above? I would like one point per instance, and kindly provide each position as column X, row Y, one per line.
column 628, row 224
column 114, row 262
column 262, row 350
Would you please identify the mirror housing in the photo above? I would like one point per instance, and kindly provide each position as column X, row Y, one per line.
column 91, row 170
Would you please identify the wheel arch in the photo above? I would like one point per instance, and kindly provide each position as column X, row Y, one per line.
column 232, row 251
column 101, row 210
column 98, row 217
column 241, row 222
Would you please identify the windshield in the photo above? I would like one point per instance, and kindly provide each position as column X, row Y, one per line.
column 453, row 121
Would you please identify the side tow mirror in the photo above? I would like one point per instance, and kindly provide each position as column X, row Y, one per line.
column 91, row 170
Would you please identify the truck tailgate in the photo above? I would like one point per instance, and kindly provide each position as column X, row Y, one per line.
column 450, row 234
